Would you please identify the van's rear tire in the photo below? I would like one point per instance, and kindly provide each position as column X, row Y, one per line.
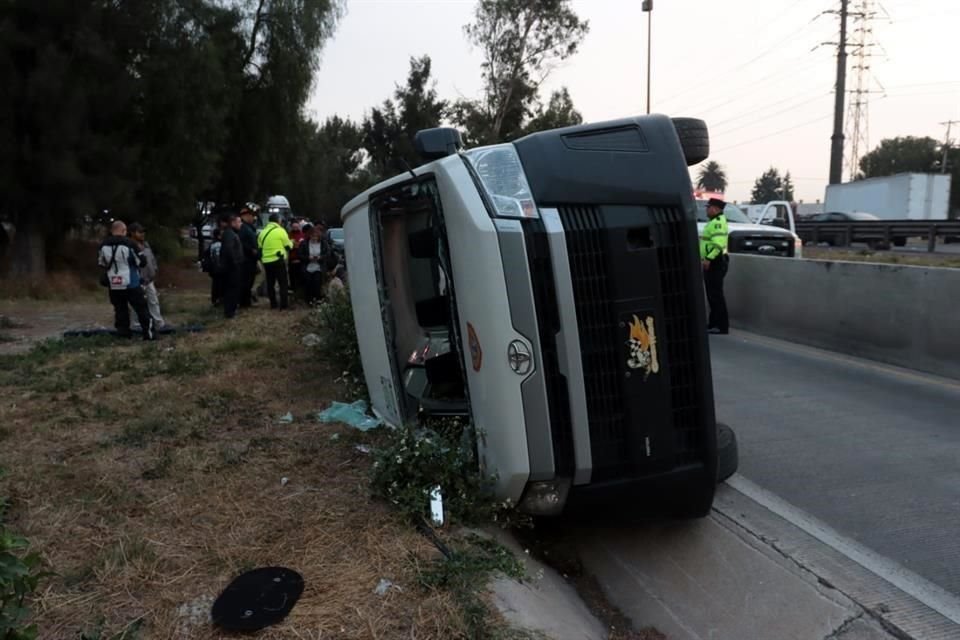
column 728, row 456
column 694, row 139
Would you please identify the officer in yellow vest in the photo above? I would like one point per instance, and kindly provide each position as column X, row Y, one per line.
column 274, row 245
column 713, row 254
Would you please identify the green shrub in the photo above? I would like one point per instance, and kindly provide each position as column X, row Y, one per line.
column 20, row 574
column 333, row 321
column 165, row 243
column 411, row 461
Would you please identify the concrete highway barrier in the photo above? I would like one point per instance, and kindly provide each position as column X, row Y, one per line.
column 902, row 315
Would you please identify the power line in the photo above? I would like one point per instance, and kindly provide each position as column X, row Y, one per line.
column 753, row 85
column 773, row 115
column 778, row 17
column 757, row 110
column 774, row 133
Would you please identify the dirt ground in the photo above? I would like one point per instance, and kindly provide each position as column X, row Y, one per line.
column 150, row 474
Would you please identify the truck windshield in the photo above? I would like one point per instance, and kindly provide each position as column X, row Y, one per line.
column 731, row 212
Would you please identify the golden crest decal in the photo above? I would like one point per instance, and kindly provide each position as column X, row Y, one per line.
column 643, row 346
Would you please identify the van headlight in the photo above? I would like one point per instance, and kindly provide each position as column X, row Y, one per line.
column 501, row 177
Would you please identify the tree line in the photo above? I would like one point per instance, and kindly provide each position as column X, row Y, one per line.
column 145, row 108
column 907, row 154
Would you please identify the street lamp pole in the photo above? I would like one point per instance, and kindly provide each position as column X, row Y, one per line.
column 647, row 7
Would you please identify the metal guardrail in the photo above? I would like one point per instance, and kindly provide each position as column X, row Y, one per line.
column 882, row 232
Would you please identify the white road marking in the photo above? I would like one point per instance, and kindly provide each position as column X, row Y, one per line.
column 931, row 595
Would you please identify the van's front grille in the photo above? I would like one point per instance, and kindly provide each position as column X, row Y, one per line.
column 599, row 342
column 612, row 422
column 548, row 321
column 680, row 324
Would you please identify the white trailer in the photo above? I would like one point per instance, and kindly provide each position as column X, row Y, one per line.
column 905, row 196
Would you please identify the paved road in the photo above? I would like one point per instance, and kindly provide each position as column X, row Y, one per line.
column 870, row 450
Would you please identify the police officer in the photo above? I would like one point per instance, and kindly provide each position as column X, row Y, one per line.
column 713, row 254
column 274, row 245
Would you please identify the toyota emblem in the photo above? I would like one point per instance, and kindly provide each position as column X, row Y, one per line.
column 518, row 355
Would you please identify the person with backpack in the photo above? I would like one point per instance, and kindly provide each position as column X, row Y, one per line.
column 121, row 259
column 148, row 274
column 231, row 264
column 274, row 245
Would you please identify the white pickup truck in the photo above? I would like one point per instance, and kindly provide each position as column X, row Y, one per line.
column 750, row 237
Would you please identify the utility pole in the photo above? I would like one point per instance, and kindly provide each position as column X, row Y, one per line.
column 836, row 148
column 647, row 7
column 858, row 113
column 946, row 143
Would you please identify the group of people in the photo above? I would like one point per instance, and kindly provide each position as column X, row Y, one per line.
column 129, row 272
column 237, row 249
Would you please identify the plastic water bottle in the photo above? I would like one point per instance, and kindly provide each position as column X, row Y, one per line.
column 436, row 506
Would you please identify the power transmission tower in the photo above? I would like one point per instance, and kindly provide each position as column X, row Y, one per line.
column 836, row 146
column 946, row 143
column 858, row 113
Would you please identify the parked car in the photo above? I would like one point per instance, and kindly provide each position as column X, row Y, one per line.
column 336, row 236
column 549, row 290
column 838, row 237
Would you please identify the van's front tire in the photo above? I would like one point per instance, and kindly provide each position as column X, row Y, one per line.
column 694, row 139
column 728, row 456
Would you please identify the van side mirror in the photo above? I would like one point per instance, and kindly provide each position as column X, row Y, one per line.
column 440, row 142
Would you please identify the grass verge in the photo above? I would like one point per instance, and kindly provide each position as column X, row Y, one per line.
column 149, row 475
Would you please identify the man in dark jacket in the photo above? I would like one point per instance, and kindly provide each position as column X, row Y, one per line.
column 248, row 238
column 121, row 259
column 231, row 265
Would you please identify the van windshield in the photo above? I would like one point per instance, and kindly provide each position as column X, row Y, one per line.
column 732, row 213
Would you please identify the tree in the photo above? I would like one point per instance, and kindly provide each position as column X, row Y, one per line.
column 559, row 112
column 65, row 119
column 389, row 130
column 143, row 107
column 771, row 186
column 329, row 170
column 712, row 177
column 786, row 189
column 902, row 155
column 522, row 41
column 281, row 39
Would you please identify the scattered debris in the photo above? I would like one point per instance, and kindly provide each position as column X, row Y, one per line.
column 286, row 418
column 334, row 437
column 362, row 448
column 384, row 586
column 190, row 615
column 311, row 340
column 353, row 414
column 284, row 480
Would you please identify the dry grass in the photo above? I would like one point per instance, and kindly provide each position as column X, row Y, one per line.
column 150, row 475
column 883, row 257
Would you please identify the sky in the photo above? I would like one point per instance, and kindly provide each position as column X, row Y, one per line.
column 760, row 73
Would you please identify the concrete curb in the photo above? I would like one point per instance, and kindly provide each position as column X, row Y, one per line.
column 544, row 603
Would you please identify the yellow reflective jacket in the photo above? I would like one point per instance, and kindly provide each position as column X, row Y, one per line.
column 273, row 243
column 713, row 238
